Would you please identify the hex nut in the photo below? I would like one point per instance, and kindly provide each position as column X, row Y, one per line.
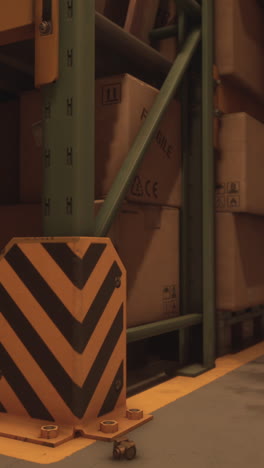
column 134, row 413
column 108, row 426
column 49, row 432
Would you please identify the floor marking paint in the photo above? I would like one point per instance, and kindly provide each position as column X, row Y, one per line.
column 149, row 400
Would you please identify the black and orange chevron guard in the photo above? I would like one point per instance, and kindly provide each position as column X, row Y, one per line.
column 63, row 329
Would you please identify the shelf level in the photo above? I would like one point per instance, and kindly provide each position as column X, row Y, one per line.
column 121, row 52
column 116, row 52
column 164, row 326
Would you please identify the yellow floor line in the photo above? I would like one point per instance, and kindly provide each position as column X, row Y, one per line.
column 167, row 392
column 150, row 400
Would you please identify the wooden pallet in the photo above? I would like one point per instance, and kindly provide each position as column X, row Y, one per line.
column 239, row 330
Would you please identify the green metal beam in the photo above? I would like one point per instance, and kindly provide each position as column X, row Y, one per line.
column 69, row 127
column 190, row 7
column 208, row 176
column 163, row 326
column 163, row 33
column 184, row 334
column 144, row 137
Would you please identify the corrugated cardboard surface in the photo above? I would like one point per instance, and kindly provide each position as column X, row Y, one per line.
column 239, row 261
column 166, row 16
column 122, row 104
column 113, row 10
column 240, row 165
column 20, row 221
column 9, row 153
column 147, row 241
column 140, row 18
column 239, row 42
column 16, row 14
column 232, row 99
column 30, row 150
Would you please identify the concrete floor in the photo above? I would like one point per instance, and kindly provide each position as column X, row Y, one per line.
column 220, row 425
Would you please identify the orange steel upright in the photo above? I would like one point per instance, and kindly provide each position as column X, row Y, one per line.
column 46, row 44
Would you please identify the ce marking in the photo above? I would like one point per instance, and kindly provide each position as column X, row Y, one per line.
column 148, row 186
column 155, row 189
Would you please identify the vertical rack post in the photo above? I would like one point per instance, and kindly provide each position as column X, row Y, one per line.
column 68, row 197
column 184, row 334
column 198, row 218
column 208, row 206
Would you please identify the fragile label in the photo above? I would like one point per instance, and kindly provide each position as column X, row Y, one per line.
column 160, row 138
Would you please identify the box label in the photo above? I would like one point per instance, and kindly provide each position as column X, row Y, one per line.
column 141, row 188
column 220, row 202
column 169, row 301
column 220, row 188
column 227, row 195
column 111, row 94
column 233, row 201
column 233, row 187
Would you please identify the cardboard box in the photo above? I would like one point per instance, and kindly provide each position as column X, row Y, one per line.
column 30, row 148
column 239, row 43
column 167, row 16
column 9, row 153
column 147, row 241
column 122, row 104
column 20, row 221
column 240, row 165
column 114, row 10
column 232, row 99
column 239, row 261
column 140, row 18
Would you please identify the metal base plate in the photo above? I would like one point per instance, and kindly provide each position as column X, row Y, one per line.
column 193, row 370
column 28, row 430
column 91, row 431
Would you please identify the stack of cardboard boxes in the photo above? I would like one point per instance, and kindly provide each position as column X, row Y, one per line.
column 146, row 230
column 239, row 43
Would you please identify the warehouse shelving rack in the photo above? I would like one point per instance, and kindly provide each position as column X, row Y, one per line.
column 69, row 105
column 89, row 43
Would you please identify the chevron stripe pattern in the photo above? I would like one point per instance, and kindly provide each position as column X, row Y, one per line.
column 63, row 329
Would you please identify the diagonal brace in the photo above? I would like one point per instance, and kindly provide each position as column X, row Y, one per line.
column 190, row 7
column 145, row 135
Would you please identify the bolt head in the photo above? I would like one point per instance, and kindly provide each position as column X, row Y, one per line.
column 118, row 384
column 117, row 282
column 45, row 27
